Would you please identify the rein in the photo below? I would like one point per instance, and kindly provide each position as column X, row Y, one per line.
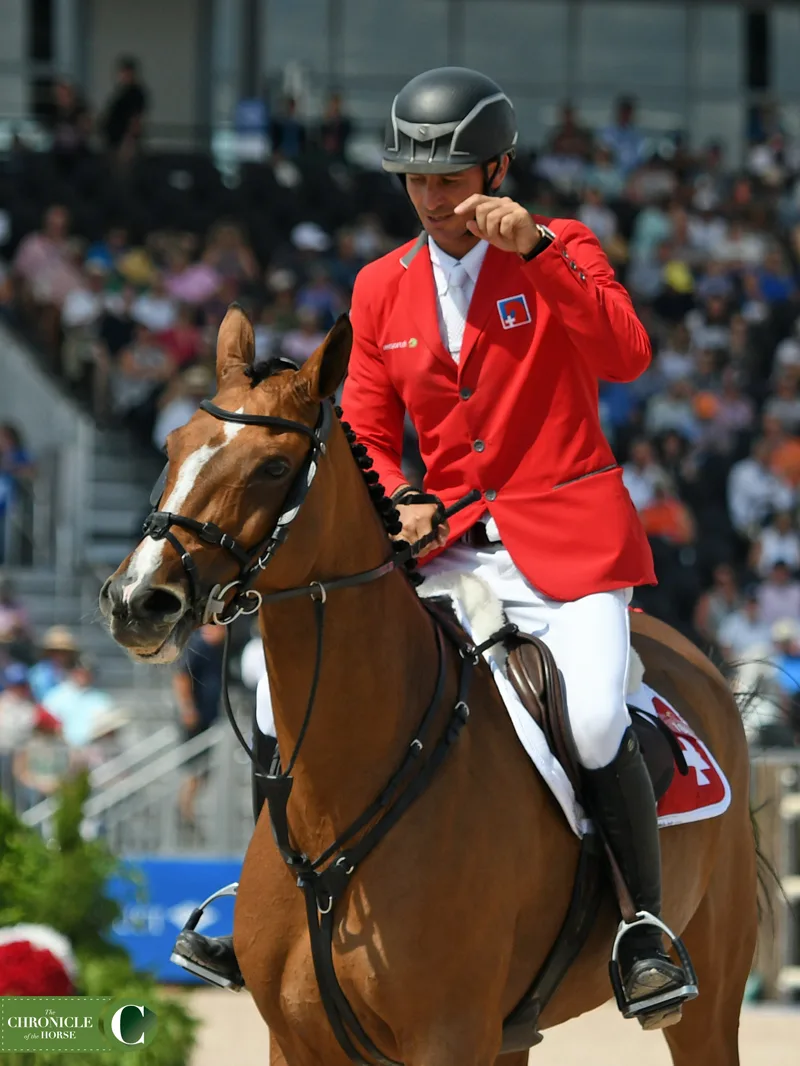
column 325, row 879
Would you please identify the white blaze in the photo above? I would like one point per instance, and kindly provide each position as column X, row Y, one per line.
column 147, row 557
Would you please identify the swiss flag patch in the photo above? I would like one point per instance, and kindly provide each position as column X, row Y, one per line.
column 704, row 791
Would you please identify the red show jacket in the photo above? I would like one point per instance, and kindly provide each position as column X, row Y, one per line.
column 517, row 417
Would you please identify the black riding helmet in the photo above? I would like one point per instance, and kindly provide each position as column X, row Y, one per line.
column 446, row 120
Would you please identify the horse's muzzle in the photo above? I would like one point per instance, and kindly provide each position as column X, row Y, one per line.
column 142, row 617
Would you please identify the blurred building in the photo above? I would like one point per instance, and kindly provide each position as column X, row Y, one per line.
column 694, row 66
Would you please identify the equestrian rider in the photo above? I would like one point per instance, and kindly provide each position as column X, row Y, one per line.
column 491, row 331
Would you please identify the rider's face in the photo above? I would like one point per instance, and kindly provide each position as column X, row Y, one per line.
column 434, row 197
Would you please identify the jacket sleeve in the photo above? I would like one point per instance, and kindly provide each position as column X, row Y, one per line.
column 370, row 401
column 576, row 280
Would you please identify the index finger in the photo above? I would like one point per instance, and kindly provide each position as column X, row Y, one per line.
column 470, row 204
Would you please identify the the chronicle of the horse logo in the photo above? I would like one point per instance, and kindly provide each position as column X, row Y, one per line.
column 514, row 311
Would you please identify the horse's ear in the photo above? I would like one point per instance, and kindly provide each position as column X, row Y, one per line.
column 324, row 372
column 235, row 342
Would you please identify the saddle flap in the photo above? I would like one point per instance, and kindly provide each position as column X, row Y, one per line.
column 533, row 672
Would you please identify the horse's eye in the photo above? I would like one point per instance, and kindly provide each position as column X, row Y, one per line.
column 275, row 467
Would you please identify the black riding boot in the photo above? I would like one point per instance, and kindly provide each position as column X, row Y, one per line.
column 213, row 957
column 621, row 799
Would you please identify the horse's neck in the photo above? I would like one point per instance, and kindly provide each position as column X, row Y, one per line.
column 379, row 667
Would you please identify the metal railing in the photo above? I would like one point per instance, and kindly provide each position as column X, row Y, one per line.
column 108, row 773
column 135, row 804
column 775, row 795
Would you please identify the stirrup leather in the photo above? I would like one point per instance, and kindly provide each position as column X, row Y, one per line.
column 196, row 968
column 661, row 1002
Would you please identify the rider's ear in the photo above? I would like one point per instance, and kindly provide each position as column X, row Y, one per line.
column 324, row 372
column 235, row 342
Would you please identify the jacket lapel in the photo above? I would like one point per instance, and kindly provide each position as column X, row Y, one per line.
column 494, row 281
column 419, row 292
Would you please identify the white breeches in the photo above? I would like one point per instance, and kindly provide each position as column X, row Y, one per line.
column 589, row 639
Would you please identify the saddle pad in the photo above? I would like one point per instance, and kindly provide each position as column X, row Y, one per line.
column 702, row 793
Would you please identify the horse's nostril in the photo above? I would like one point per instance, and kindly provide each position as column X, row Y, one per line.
column 160, row 603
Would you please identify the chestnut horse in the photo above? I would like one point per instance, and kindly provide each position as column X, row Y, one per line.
column 443, row 927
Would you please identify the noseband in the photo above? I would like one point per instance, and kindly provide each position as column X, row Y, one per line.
column 251, row 562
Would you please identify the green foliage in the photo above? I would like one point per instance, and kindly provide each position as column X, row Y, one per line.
column 62, row 883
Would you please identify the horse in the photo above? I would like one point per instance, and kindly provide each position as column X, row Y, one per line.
column 438, row 932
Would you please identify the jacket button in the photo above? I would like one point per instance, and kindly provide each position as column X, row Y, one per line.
column 478, row 445
column 490, row 495
column 465, row 393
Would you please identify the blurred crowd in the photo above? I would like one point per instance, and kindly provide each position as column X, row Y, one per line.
column 709, row 436
column 53, row 717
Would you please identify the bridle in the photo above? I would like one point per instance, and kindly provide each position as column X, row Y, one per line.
column 247, row 600
column 325, row 879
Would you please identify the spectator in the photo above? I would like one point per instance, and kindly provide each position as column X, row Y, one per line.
column 41, row 761
column 179, row 402
column 80, row 318
column 641, row 474
column 603, row 173
column 17, row 715
column 109, row 251
column 786, row 638
column 78, row 704
column 253, row 663
column 59, row 655
column 672, row 410
column 17, row 470
column 44, row 261
column 784, row 404
column 677, row 359
column 229, row 255
column 198, row 689
column 143, row 369
column 183, row 340
column 743, row 633
column 301, row 343
column 623, row 137
column 287, row 133
column 776, row 283
column 595, row 213
column 784, row 459
column 321, row 296
column 336, row 128
column 718, row 604
column 569, row 137
column 70, row 123
column 754, row 491
column 155, row 308
column 666, row 517
column 15, row 629
column 777, row 541
column 122, row 124
column 779, row 595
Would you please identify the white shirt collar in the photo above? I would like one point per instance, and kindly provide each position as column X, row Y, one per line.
column 443, row 263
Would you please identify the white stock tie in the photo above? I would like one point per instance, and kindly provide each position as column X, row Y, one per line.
column 458, row 296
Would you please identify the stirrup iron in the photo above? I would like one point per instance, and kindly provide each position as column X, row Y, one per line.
column 661, row 1003
column 196, row 968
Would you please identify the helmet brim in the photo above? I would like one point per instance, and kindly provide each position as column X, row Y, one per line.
column 405, row 167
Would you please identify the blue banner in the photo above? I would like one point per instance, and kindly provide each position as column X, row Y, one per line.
column 155, row 908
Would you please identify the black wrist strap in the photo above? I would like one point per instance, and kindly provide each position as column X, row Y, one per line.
column 541, row 245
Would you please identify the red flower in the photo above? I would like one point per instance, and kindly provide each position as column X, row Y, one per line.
column 29, row 971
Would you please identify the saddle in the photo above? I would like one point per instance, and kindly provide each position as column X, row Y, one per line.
column 533, row 672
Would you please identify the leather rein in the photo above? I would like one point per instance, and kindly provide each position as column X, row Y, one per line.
column 323, row 880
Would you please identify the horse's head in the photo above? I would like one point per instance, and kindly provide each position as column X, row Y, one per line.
column 237, row 475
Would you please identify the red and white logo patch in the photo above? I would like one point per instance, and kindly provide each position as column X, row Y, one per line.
column 704, row 791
